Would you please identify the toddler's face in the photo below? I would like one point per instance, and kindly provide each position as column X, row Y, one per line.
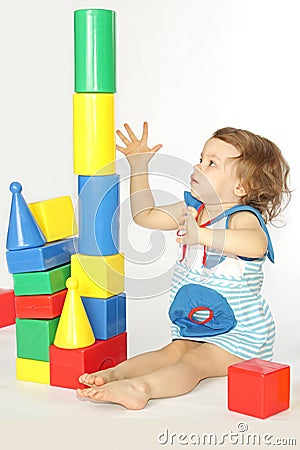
column 214, row 179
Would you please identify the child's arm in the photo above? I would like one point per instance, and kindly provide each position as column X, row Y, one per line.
column 143, row 209
column 245, row 237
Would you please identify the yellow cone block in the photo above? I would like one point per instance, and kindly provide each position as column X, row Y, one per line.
column 55, row 217
column 33, row 370
column 100, row 276
column 74, row 329
column 94, row 134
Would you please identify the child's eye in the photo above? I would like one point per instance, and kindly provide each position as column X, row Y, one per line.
column 200, row 160
column 212, row 163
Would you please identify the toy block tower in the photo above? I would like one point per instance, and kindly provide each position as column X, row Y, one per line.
column 40, row 264
column 62, row 333
column 98, row 266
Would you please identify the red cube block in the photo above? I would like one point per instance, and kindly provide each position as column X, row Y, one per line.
column 46, row 306
column 7, row 307
column 258, row 388
column 67, row 365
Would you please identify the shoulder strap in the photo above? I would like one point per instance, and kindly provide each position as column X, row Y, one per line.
column 194, row 202
column 237, row 208
column 191, row 201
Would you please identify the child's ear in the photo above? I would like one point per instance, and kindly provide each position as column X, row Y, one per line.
column 239, row 190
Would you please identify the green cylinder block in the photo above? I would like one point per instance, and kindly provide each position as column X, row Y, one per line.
column 95, row 50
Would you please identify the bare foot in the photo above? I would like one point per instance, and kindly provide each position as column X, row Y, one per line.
column 98, row 378
column 129, row 393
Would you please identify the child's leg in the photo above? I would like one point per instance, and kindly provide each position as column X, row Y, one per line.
column 141, row 364
column 203, row 361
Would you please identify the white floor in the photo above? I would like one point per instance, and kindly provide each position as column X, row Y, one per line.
column 39, row 417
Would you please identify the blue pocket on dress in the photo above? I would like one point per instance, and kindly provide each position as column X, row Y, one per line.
column 200, row 311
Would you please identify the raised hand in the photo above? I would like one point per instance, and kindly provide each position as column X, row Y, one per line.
column 136, row 148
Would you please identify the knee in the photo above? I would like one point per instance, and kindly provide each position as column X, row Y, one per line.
column 207, row 362
column 183, row 345
column 195, row 364
column 180, row 347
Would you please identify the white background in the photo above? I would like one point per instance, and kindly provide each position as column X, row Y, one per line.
column 188, row 68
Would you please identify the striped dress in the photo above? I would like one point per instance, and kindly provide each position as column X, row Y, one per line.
column 239, row 280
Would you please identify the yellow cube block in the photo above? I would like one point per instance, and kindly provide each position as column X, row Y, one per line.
column 98, row 276
column 33, row 370
column 94, row 134
column 55, row 217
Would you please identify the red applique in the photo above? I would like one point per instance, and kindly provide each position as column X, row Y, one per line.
column 184, row 247
column 201, row 308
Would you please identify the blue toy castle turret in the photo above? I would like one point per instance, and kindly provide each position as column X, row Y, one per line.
column 23, row 231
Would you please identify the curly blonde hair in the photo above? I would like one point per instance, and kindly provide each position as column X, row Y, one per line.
column 262, row 169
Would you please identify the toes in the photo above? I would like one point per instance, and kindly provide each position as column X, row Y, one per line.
column 87, row 379
column 91, row 380
column 94, row 393
column 98, row 395
column 83, row 377
column 98, row 381
column 81, row 393
column 90, row 393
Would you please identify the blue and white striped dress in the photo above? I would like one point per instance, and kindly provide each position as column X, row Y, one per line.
column 239, row 281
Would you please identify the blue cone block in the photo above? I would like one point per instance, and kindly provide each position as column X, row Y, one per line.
column 38, row 259
column 98, row 204
column 23, row 231
column 107, row 316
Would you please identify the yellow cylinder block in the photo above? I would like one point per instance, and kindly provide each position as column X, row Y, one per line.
column 94, row 134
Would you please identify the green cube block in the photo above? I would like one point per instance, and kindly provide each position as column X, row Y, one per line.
column 95, row 50
column 46, row 282
column 34, row 336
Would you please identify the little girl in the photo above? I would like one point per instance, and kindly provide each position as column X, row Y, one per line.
column 218, row 314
